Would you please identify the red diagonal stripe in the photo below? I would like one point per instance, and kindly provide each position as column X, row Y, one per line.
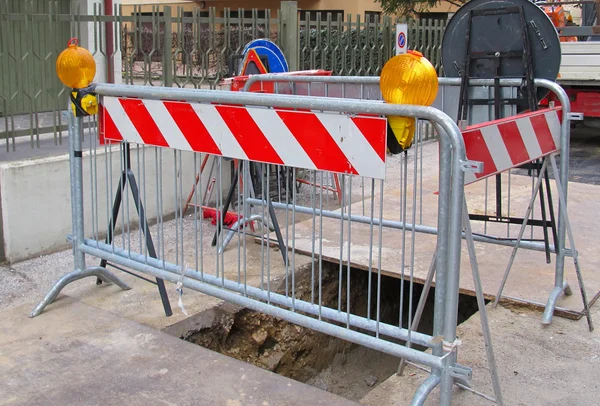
column 374, row 130
column 192, row 127
column 514, row 142
column 477, row 150
column 543, row 134
column 143, row 122
column 248, row 135
column 316, row 142
column 107, row 129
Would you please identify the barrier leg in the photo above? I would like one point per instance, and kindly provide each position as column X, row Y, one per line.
column 282, row 247
column 424, row 390
column 237, row 227
column 483, row 315
column 76, row 172
column 127, row 176
column 225, row 207
column 575, row 255
column 521, row 232
column 149, row 243
column 98, row 271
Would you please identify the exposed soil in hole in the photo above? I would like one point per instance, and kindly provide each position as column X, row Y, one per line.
column 302, row 354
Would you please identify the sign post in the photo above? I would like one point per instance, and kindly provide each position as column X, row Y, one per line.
column 401, row 38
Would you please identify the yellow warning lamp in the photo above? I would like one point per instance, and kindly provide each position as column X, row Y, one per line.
column 76, row 68
column 407, row 79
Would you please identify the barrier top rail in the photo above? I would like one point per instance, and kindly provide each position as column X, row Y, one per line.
column 306, row 79
column 507, row 82
column 452, row 132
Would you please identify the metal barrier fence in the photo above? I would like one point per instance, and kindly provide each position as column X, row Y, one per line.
column 368, row 88
column 183, row 254
column 300, row 221
column 168, row 46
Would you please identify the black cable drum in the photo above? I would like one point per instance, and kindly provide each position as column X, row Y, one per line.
column 502, row 33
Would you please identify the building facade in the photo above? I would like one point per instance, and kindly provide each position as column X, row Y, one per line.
column 311, row 9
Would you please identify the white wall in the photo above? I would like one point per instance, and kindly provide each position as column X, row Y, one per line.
column 36, row 205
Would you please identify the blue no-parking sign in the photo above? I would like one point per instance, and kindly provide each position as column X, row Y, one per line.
column 401, row 38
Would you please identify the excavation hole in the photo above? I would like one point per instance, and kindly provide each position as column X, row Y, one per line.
column 307, row 356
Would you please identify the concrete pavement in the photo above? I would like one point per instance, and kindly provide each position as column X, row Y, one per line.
column 77, row 354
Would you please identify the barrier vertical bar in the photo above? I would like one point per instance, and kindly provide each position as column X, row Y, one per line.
column 560, row 285
column 442, row 242
column 441, row 266
column 452, row 269
column 76, row 164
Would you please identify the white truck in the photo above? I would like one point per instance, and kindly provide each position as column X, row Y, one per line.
column 580, row 77
column 580, row 63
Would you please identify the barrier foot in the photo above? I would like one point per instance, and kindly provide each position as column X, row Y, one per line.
column 425, row 389
column 237, row 228
column 549, row 310
column 567, row 289
column 102, row 273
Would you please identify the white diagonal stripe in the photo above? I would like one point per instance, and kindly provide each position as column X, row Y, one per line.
column 219, row 131
column 121, row 120
column 353, row 144
column 554, row 125
column 279, row 136
column 529, row 139
column 167, row 126
column 496, row 146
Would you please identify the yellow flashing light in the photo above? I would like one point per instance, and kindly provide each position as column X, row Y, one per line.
column 75, row 66
column 407, row 79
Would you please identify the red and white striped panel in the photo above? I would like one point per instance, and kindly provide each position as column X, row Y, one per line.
column 511, row 142
column 302, row 139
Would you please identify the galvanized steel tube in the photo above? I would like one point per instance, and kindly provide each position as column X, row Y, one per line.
column 76, row 165
column 297, row 318
column 270, row 77
column 282, row 300
column 397, row 225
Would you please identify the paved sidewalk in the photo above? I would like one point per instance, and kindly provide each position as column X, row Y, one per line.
column 77, row 354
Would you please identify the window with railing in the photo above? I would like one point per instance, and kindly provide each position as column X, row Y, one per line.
column 372, row 17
